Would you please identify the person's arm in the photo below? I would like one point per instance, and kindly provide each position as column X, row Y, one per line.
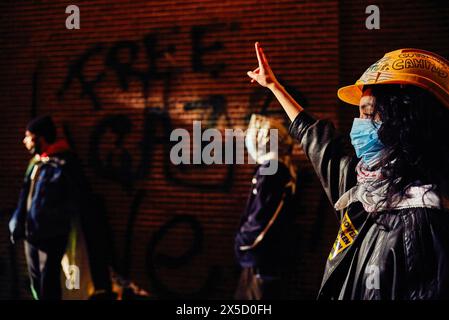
column 328, row 152
column 326, row 149
column 265, row 77
column 17, row 221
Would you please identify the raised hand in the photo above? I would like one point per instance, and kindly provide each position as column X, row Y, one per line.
column 263, row 74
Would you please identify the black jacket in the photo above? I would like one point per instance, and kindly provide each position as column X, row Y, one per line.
column 56, row 198
column 269, row 200
column 400, row 254
column 61, row 196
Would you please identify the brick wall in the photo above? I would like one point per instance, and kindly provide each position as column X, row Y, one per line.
column 138, row 69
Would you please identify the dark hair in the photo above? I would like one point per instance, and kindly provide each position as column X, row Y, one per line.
column 43, row 126
column 415, row 132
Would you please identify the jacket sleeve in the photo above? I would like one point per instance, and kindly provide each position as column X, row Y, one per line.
column 328, row 152
column 17, row 221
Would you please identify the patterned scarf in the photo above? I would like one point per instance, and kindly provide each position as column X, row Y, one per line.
column 371, row 189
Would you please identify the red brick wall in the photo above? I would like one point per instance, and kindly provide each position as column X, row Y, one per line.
column 182, row 61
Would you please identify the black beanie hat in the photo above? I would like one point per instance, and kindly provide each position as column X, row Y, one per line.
column 43, row 126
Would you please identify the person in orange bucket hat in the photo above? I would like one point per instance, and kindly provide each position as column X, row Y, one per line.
column 420, row 68
column 390, row 195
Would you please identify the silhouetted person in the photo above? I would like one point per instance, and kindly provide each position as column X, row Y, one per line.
column 46, row 204
column 262, row 243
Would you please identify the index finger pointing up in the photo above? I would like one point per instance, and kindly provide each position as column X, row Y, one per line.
column 262, row 54
column 259, row 58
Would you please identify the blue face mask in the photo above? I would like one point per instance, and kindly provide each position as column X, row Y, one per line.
column 365, row 140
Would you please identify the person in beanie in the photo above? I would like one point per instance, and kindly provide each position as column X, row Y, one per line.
column 390, row 195
column 47, row 202
column 262, row 244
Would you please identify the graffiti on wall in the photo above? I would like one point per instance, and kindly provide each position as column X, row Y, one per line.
column 149, row 64
column 121, row 164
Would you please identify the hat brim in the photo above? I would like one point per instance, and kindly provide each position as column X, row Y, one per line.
column 350, row 94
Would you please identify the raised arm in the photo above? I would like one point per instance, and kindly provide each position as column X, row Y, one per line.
column 265, row 77
column 327, row 150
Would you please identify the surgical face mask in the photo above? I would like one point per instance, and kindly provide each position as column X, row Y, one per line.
column 365, row 140
column 262, row 144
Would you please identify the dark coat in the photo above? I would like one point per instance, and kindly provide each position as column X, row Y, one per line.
column 56, row 198
column 267, row 194
column 400, row 254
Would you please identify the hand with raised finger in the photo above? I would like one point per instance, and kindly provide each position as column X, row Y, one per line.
column 263, row 74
